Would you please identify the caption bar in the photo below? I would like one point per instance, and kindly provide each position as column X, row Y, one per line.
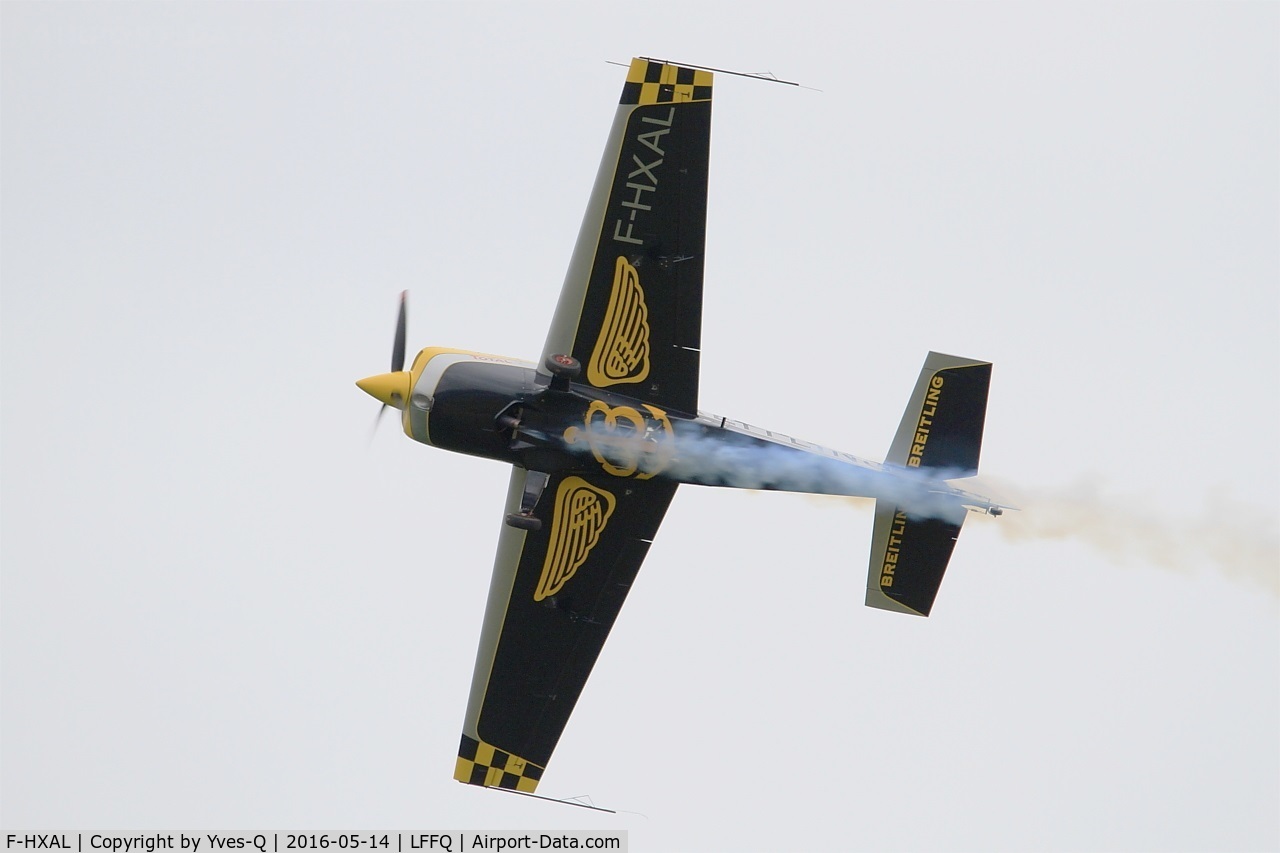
column 452, row 841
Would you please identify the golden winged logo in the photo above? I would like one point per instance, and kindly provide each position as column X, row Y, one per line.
column 581, row 512
column 621, row 353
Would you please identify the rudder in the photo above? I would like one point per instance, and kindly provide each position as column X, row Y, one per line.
column 942, row 425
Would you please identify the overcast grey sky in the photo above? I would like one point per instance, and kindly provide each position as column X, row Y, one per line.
column 223, row 607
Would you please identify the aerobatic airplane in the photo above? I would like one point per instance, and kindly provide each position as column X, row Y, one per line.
column 603, row 428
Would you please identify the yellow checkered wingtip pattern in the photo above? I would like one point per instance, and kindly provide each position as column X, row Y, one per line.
column 652, row 82
column 483, row 764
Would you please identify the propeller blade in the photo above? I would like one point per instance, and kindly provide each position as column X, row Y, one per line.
column 397, row 354
column 390, row 387
column 376, row 421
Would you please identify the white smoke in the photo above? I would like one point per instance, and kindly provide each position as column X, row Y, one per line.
column 709, row 459
column 1240, row 542
column 738, row 461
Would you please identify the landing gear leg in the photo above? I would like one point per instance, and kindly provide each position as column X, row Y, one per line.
column 535, row 483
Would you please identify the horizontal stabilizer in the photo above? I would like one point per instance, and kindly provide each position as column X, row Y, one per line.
column 942, row 426
column 909, row 555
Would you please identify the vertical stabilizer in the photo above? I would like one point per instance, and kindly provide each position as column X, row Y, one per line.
column 942, row 426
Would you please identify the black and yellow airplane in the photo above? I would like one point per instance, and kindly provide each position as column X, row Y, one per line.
column 603, row 429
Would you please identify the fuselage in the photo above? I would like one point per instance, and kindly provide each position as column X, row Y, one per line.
column 506, row 409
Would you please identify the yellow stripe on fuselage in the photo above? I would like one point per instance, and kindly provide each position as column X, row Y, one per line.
column 424, row 357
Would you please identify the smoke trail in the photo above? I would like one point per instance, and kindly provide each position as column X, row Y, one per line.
column 691, row 453
column 1240, row 542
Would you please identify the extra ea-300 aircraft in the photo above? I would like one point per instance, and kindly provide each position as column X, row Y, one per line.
column 601, row 431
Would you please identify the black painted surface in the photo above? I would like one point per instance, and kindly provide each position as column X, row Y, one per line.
column 669, row 256
column 468, row 398
column 547, row 648
column 924, row 552
column 955, row 438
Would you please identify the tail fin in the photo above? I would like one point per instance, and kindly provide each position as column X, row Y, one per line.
column 940, row 430
column 942, row 426
column 909, row 555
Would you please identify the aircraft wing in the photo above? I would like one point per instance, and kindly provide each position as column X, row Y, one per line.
column 554, row 595
column 631, row 307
